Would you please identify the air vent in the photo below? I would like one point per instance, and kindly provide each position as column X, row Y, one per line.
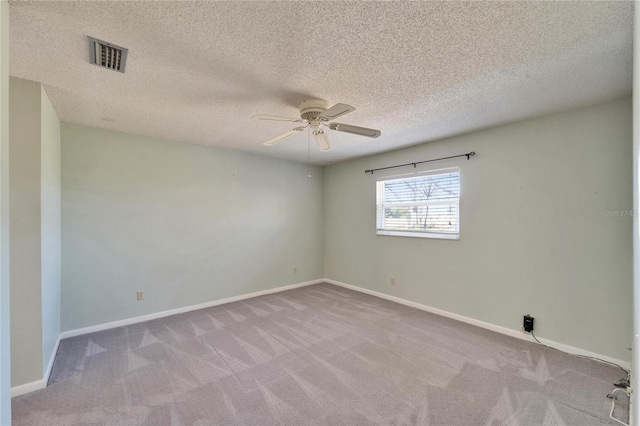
column 107, row 55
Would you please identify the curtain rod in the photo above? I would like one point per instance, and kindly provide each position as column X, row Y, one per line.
column 468, row 155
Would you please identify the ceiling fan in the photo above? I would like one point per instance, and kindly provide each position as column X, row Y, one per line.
column 315, row 113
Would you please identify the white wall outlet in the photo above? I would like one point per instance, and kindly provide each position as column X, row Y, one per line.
column 140, row 295
column 393, row 280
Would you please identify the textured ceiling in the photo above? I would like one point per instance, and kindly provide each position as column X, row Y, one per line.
column 418, row 71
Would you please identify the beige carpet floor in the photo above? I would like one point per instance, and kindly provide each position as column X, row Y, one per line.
column 317, row 355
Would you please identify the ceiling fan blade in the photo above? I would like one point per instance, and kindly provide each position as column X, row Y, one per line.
column 362, row 131
column 322, row 140
column 336, row 111
column 277, row 139
column 277, row 118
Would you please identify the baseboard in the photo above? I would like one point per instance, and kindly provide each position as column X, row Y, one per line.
column 142, row 318
column 28, row 388
column 518, row 334
column 38, row 384
column 47, row 373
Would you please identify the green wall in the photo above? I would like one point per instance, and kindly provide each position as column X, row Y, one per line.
column 538, row 230
column 186, row 224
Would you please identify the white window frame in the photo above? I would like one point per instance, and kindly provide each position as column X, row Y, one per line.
column 444, row 235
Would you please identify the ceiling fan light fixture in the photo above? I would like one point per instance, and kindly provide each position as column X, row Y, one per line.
column 322, row 140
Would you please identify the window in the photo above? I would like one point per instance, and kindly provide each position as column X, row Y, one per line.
column 427, row 205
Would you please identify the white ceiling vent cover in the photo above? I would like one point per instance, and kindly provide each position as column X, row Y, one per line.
column 107, row 55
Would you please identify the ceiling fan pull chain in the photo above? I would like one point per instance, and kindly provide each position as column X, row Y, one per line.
column 309, row 153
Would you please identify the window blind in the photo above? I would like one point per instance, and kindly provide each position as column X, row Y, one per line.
column 425, row 204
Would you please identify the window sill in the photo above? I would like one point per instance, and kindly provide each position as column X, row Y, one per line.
column 454, row 237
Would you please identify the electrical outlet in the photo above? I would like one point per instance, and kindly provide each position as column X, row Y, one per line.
column 393, row 280
column 140, row 295
column 527, row 323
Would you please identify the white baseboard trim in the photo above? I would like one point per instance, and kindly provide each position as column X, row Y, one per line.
column 142, row 318
column 47, row 373
column 28, row 388
column 38, row 384
column 518, row 334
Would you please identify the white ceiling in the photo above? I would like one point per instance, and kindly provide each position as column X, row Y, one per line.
column 418, row 71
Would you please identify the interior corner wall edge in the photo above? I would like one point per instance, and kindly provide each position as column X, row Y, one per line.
column 51, row 223
column 25, row 216
column 182, row 223
column 34, row 192
column 545, row 228
column 5, row 343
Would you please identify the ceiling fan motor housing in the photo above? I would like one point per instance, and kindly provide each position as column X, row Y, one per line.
column 311, row 108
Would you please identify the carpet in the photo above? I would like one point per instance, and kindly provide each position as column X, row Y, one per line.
column 316, row 355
